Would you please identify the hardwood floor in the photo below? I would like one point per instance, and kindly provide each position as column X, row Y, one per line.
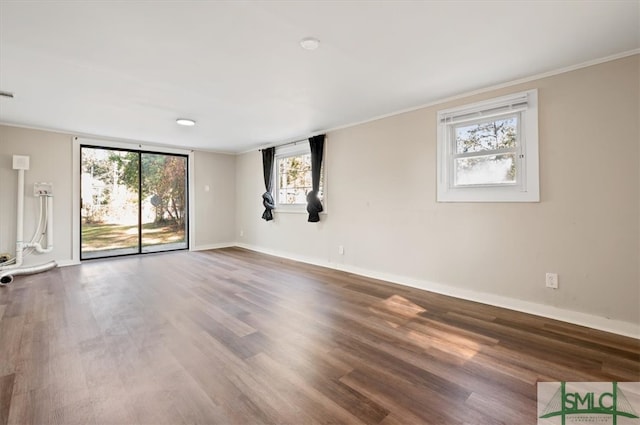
column 235, row 337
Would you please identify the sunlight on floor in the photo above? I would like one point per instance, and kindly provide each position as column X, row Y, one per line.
column 457, row 346
column 397, row 306
column 401, row 305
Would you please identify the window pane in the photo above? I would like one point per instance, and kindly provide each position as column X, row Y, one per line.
column 164, row 202
column 109, row 202
column 488, row 169
column 294, row 179
column 487, row 135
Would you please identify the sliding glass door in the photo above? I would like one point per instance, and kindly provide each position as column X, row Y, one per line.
column 164, row 212
column 132, row 202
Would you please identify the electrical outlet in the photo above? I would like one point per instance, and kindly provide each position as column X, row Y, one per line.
column 552, row 280
column 341, row 250
column 241, row 233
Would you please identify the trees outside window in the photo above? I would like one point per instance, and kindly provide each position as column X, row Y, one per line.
column 293, row 178
column 132, row 201
column 488, row 151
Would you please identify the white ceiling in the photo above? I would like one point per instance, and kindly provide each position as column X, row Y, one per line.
column 128, row 69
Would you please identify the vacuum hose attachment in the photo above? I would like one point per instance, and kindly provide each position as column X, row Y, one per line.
column 6, row 277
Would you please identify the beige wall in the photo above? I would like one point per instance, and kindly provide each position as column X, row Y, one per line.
column 381, row 192
column 51, row 161
column 214, row 209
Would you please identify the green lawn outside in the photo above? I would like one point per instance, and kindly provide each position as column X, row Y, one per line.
column 100, row 236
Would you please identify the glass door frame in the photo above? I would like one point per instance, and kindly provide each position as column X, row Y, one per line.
column 79, row 142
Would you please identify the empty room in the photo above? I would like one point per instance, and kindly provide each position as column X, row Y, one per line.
column 320, row 212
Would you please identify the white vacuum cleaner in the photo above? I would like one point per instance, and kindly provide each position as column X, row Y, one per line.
column 44, row 193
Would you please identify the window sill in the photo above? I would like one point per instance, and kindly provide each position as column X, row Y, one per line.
column 294, row 211
column 487, row 194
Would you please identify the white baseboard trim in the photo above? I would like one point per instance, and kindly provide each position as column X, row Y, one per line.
column 583, row 319
column 213, row 246
column 67, row 263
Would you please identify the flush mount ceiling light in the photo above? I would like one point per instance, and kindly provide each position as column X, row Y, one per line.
column 186, row 122
column 310, row 43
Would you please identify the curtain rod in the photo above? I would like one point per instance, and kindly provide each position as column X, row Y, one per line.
column 295, row 142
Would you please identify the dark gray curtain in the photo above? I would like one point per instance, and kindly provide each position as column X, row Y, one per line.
column 314, row 206
column 267, row 168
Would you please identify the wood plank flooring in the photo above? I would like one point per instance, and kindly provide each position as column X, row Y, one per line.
column 235, row 337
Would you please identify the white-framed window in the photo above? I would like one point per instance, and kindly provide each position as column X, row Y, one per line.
column 488, row 151
column 293, row 177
